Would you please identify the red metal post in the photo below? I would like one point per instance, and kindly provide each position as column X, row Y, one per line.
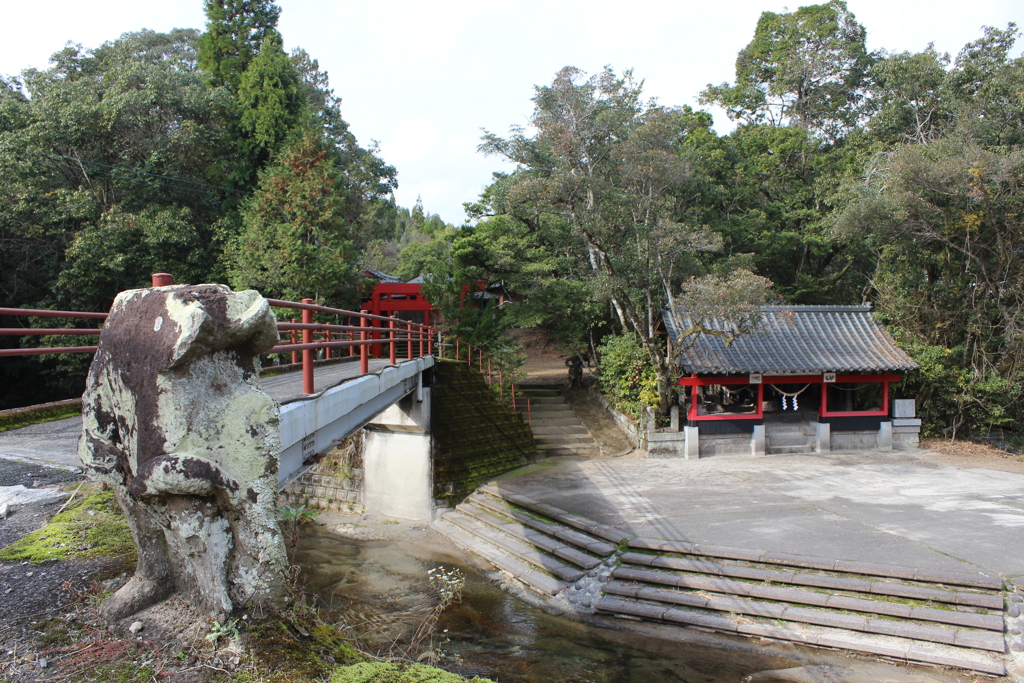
column 408, row 341
column 391, row 337
column 481, row 360
column 430, row 342
column 364, row 349
column 162, row 279
column 328, row 337
column 469, row 355
column 419, row 333
column 456, row 348
column 295, row 340
column 307, row 354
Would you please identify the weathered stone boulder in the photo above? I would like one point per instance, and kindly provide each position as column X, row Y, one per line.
column 175, row 422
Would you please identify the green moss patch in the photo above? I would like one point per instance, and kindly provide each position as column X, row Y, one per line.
column 92, row 526
column 390, row 672
column 291, row 648
column 14, row 420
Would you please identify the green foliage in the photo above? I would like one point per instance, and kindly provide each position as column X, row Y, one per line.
column 807, row 67
column 627, row 376
column 270, row 102
column 295, row 241
column 235, row 31
column 391, row 672
column 229, row 629
column 93, row 526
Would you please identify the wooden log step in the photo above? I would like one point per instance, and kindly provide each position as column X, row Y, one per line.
column 888, row 646
column 841, row 583
column 604, row 531
column 971, row 638
column 577, row 538
column 974, row 580
column 799, row 596
column 513, row 547
column 536, row 581
column 528, row 535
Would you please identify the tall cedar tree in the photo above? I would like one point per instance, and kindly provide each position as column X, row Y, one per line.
column 235, row 30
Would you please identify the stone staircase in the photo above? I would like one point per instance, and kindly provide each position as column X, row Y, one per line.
column 788, row 437
column 907, row 614
column 556, row 429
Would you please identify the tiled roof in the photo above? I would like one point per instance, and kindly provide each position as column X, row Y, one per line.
column 383, row 277
column 794, row 339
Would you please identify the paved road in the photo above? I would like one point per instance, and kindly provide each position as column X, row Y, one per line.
column 56, row 442
column 891, row 508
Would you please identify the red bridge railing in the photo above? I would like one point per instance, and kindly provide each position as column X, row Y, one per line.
column 360, row 332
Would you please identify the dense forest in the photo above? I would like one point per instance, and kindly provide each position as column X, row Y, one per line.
column 848, row 176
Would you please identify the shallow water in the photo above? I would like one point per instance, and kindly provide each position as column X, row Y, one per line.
column 380, row 591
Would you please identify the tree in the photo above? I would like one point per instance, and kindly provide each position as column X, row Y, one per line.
column 294, row 241
column 610, row 166
column 944, row 222
column 235, row 33
column 270, row 102
column 910, row 95
column 807, row 68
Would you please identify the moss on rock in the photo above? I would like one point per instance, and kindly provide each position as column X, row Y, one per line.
column 93, row 526
column 390, row 672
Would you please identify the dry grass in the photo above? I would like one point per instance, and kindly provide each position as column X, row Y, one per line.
column 967, row 449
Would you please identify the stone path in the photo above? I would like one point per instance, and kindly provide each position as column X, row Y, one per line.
column 892, row 508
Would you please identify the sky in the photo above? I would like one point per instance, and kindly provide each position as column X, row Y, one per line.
column 423, row 78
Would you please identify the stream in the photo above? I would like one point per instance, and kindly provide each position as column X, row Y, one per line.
column 378, row 591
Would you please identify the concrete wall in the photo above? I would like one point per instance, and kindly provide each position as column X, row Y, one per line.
column 858, row 440
column 397, row 472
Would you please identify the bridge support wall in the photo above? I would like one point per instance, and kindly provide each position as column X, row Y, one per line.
column 398, row 478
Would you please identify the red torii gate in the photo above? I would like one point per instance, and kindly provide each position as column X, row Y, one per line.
column 390, row 298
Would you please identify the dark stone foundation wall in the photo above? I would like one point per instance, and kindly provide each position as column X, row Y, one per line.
column 476, row 437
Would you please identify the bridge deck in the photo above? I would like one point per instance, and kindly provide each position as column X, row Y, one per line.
column 289, row 385
column 56, row 442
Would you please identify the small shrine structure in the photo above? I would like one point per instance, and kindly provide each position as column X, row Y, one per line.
column 805, row 379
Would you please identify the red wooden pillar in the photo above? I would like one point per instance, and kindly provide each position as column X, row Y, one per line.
column 364, row 348
column 307, row 354
column 328, row 337
column 430, row 333
column 295, row 340
column 391, row 338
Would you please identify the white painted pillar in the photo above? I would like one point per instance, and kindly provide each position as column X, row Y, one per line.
column 822, row 437
column 885, row 436
column 692, row 447
column 757, row 442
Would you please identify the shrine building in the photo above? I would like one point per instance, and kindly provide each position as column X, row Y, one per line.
column 806, row 379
